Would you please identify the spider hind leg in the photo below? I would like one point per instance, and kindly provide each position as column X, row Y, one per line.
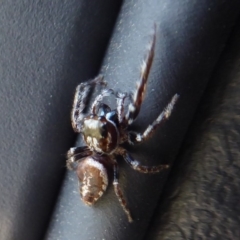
column 134, row 164
column 119, row 192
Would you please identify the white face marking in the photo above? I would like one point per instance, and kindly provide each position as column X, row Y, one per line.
column 93, row 144
column 92, row 123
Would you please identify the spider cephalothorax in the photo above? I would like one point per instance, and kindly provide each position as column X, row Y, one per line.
column 100, row 133
column 104, row 130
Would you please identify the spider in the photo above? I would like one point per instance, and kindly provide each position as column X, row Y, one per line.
column 105, row 130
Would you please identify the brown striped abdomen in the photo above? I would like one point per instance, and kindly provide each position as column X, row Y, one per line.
column 93, row 180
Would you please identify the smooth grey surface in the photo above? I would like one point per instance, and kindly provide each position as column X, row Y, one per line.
column 202, row 199
column 190, row 37
column 46, row 48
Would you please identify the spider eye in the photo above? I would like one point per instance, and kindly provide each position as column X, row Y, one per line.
column 103, row 109
column 112, row 116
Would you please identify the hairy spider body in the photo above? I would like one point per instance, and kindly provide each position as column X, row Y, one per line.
column 93, row 175
column 104, row 130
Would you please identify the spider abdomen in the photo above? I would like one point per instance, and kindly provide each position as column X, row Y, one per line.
column 93, row 179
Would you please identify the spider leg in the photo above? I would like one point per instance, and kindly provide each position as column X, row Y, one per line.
column 75, row 154
column 137, row 99
column 119, row 192
column 137, row 166
column 99, row 98
column 164, row 115
column 120, row 105
column 80, row 99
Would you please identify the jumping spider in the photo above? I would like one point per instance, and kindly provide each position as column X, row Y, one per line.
column 105, row 130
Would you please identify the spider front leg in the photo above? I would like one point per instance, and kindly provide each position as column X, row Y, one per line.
column 137, row 166
column 120, row 105
column 164, row 115
column 80, row 99
column 75, row 154
column 137, row 99
column 98, row 100
column 119, row 192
